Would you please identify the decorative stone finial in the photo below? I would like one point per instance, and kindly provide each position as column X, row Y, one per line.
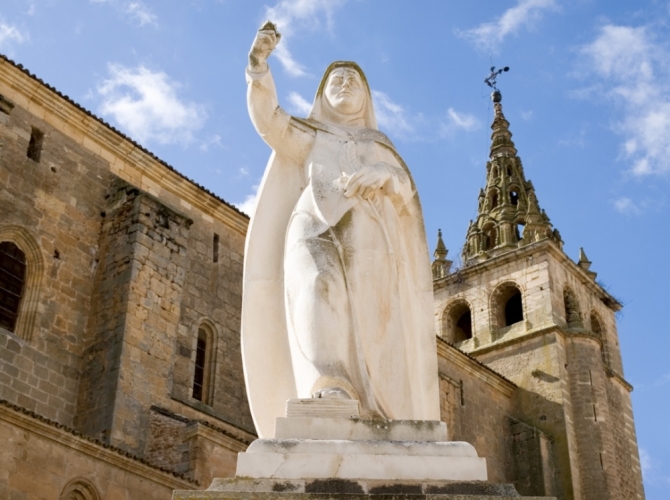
column 585, row 263
column 441, row 265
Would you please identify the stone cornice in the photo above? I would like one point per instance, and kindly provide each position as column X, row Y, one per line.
column 127, row 159
column 214, row 435
column 473, row 367
column 47, row 429
column 520, row 253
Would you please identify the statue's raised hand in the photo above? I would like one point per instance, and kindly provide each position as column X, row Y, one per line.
column 265, row 42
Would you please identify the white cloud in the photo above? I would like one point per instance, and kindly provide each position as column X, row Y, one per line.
column 136, row 12
column 299, row 105
column 459, row 121
column 488, row 36
column 391, row 116
column 140, row 14
column 526, row 115
column 299, row 15
column 248, row 206
column 626, row 206
column 210, row 142
column 10, row 35
column 146, row 105
column 634, row 72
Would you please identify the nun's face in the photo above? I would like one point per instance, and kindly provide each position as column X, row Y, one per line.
column 345, row 91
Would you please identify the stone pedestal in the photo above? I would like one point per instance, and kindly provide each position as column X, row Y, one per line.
column 322, row 450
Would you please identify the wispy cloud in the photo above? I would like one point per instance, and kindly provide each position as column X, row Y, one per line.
column 140, row 14
column 626, row 206
column 488, row 36
column 459, row 121
column 633, row 71
column 10, row 35
column 136, row 12
column 392, row 117
column 294, row 15
column 248, row 206
column 298, row 104
column 145, row 104
column 213, row 141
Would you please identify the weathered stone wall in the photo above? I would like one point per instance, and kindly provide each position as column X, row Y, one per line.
column 56, row 205
column 476, row 404
column 39, row 459
column 213, row 296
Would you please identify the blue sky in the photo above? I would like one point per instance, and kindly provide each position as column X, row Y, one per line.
column 588, row 98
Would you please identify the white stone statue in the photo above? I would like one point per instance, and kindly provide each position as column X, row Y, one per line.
column 338, row 298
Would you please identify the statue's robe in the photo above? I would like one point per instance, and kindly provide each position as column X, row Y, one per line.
column 337, row 290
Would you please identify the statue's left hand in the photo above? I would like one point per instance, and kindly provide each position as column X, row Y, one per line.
column 367, row 181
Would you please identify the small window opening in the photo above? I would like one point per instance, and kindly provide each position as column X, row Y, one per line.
column 490, row 238
column 518, row 230
column 514, row 198
column 200, row 365
column 35, row 146
column 509, row 171
column 514, row 309
column 12, row 280
column 215, row 248
column 495, row 172
column 494, row 200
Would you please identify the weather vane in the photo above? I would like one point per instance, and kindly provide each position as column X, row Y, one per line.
column 491, row 79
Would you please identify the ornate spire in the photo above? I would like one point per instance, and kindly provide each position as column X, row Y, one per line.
column 441, row 265
column 509, row 215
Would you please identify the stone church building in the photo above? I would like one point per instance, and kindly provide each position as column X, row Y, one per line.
column 120, row 295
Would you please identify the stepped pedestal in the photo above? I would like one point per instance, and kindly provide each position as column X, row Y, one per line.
column 322, row 450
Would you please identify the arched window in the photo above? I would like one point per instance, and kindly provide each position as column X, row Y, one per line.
column 507, row 305
column 494, row 199
column 495, row 172
column 458, row 322
column 514, row 197
column 12, row 283
column 490, row 237
column 572, row 316
column 597, row 329
column 21, row 270
column 204, row 361
column 518, row 230
column 79, row 489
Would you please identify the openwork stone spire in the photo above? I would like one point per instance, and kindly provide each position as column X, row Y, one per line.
column 509, row 215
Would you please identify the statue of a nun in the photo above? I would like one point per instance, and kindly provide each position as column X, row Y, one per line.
column 338, row 298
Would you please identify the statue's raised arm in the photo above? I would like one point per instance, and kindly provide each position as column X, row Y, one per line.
column 337, row 299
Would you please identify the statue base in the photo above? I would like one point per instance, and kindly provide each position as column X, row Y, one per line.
column 351, row 489
column 316, row 455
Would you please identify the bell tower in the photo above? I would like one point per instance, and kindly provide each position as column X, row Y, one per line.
column 522, row 307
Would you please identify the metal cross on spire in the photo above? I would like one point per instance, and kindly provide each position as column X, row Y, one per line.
column 491, row 79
